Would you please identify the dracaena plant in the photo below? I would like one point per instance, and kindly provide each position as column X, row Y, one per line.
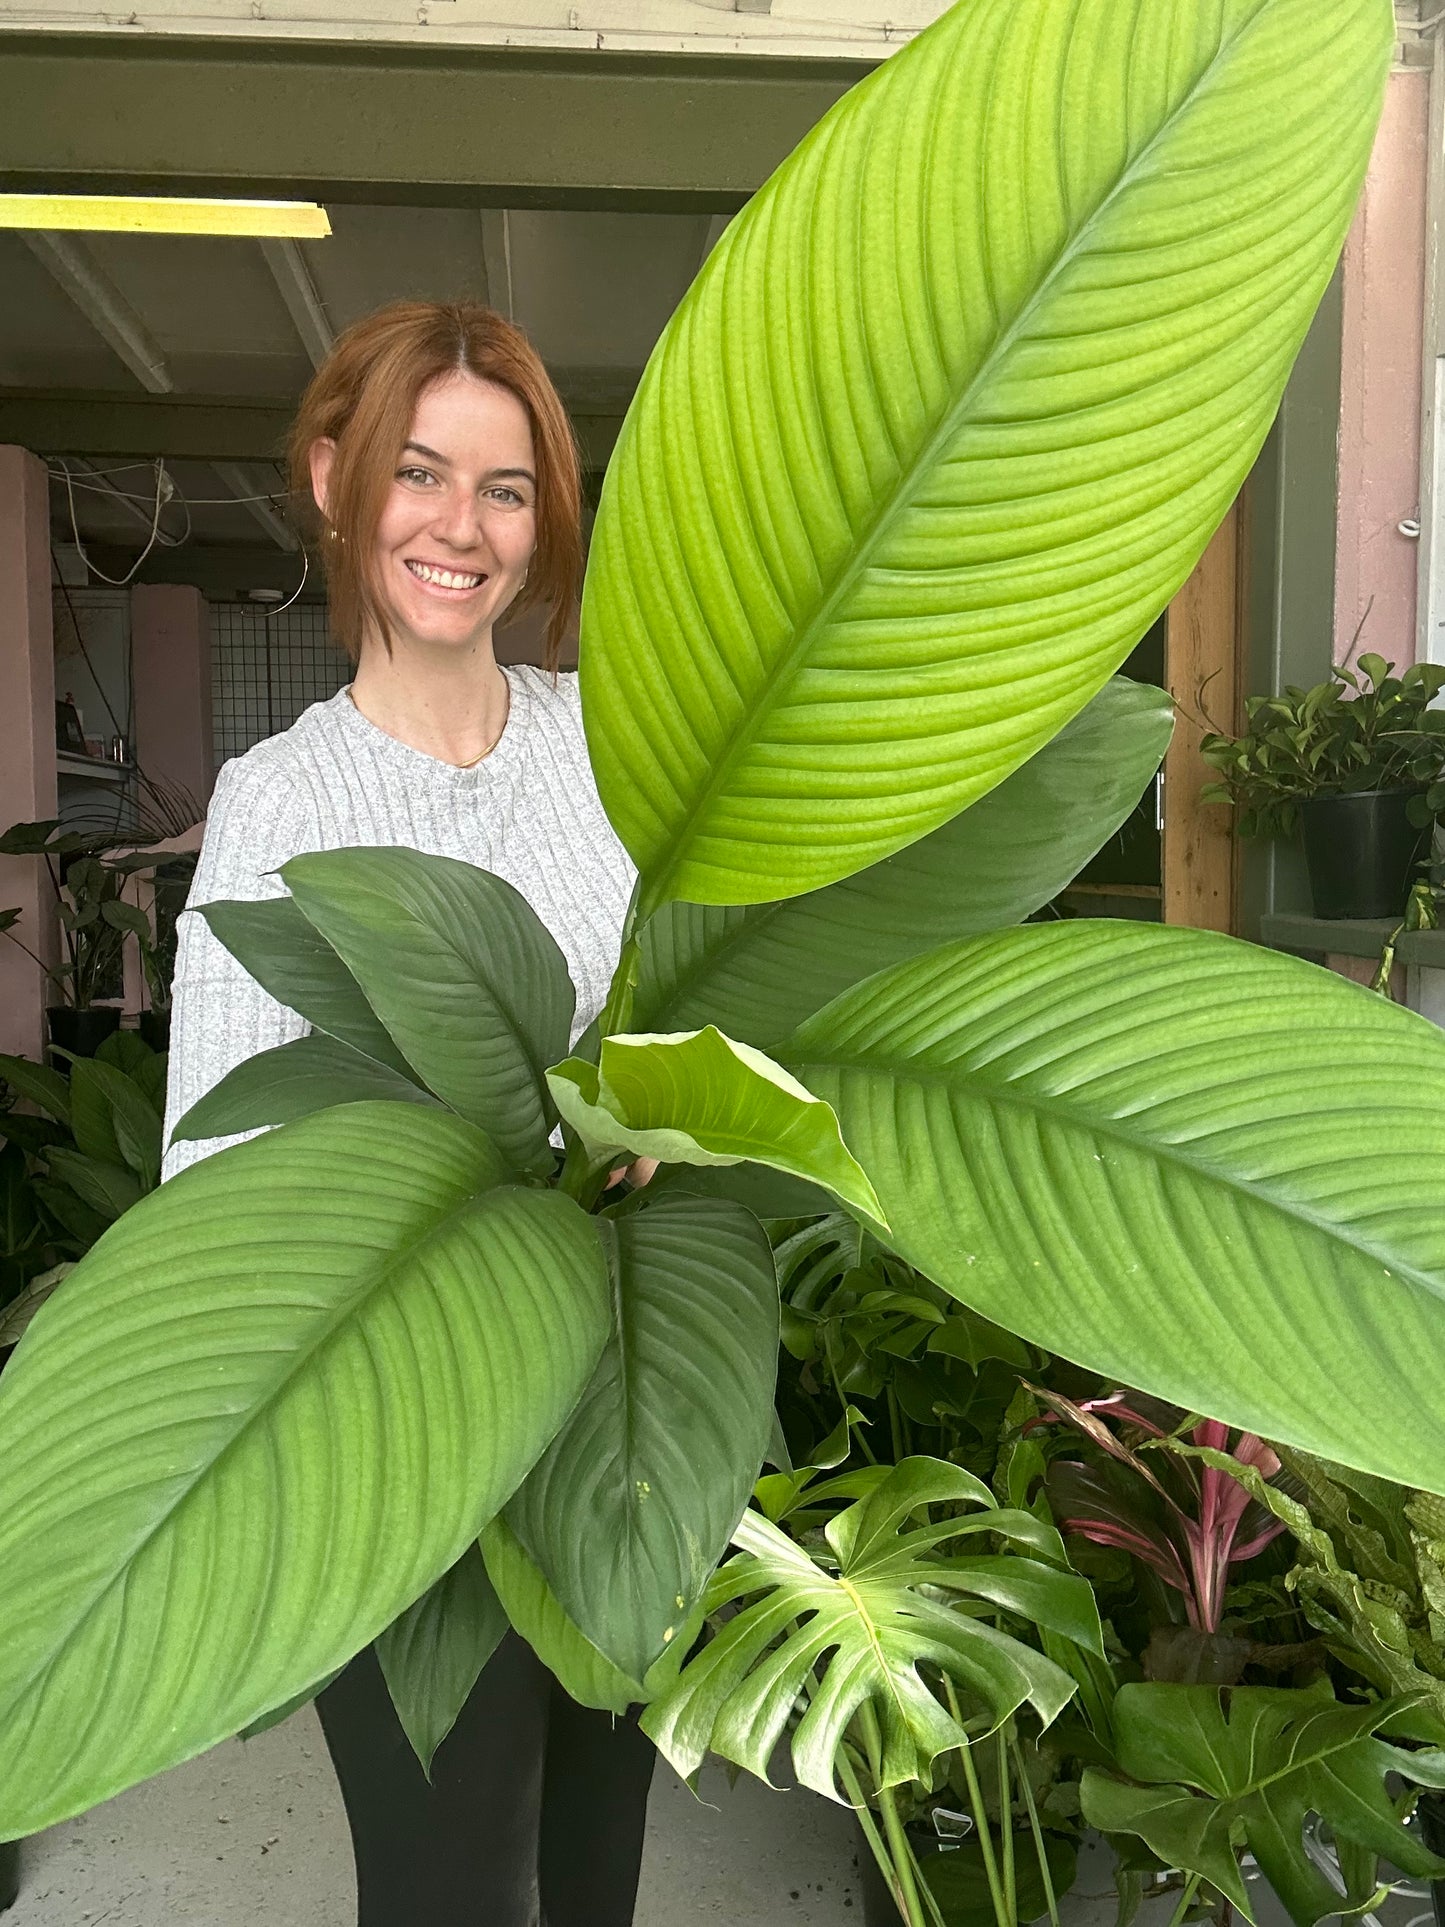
column 947, row 418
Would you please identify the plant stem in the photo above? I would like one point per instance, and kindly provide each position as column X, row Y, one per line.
column 1045, row 1872
column 985, row 1836
column 906, row 1884
column 869, row 1825
column 1186, row 1900
column 1005, row 1812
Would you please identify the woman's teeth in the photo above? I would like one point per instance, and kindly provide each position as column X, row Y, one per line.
column 445, row 578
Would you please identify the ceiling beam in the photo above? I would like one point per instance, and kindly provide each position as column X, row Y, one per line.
column 497, row 260
column 712, row 234
column 72, row 266
column 234, row 478
column 304, row 305
column 339, row 122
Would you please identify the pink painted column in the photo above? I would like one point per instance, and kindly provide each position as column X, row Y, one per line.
column 1384, row 308
column 170, row 640
column 27, row 739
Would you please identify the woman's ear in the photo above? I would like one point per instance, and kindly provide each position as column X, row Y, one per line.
column 323, row 454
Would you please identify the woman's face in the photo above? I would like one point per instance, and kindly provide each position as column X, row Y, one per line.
column 460, row 524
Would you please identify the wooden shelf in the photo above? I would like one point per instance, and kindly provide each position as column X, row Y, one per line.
column 95, row 769
column 1352, row 937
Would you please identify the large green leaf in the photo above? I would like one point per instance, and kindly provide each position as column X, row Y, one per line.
column 630, row 1508
column 536, row 1613
column 756, row 972
column 293, row 961
column 469, row 983
column 853, row 1625
column 258, row 1420
column 292, row 1081
column 1146, row 1148
column 701, row 1098
column 950, row 414
column 433, row 1655
column 1254, row 1766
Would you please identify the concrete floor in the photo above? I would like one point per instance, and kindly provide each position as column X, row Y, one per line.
column 256, row 1833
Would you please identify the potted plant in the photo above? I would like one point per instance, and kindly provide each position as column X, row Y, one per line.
column 1357, row 764
column 882, row 521
column 93, row 918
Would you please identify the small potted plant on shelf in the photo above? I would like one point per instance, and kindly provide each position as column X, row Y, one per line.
column 1357, row 763
column 93, row 922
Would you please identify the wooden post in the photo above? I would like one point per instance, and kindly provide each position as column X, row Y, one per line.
column 1201, row 660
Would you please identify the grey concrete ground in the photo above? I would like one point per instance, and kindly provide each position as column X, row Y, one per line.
column 255, row 1834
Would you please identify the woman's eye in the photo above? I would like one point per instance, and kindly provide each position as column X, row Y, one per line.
column 508, row 497
column 414, row 475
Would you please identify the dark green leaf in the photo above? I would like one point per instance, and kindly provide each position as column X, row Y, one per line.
column 109, row 1189
column 46, row 1089
column 433, row 1655
column 292, row 1081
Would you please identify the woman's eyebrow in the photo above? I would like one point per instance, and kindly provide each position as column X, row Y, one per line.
column 523, row 474
column 420, row 448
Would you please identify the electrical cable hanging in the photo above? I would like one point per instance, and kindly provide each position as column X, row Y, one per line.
column 123, row 581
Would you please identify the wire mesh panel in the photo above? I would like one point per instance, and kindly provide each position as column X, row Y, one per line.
column 267, row 668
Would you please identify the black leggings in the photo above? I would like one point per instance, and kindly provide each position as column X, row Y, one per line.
column 533, row 1798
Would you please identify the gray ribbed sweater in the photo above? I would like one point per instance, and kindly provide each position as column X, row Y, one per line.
column 530, row 812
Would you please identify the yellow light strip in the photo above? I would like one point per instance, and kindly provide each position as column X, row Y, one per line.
column 142, row 214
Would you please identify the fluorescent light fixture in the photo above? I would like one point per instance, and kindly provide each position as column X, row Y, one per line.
column 146, row 214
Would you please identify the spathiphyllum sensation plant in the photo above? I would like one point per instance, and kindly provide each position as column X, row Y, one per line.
column 946, row 420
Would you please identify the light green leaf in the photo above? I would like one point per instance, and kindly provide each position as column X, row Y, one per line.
column 433, row 1655
column 851, row 1626
column 1140, row 1146
column 46, row 1089
column 291, row 960
column 277, row 1401
column 292, row 1081
column 1255, row 1764
column 469, row 983
column 950, row 414
column 533, row 1609
column 701, row 1098
column 759, row 971
column 631, row 1506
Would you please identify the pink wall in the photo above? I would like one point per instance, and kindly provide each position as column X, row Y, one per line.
column 1384, row 303
column 170, row 638
column 27, row 737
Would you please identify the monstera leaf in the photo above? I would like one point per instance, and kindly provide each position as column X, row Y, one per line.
column 1127, row 1143
column 269, row 1409
column 1253, row 1764
column 758, row 971
column 630, row 1507
column 950, row 414
column 853, row 1626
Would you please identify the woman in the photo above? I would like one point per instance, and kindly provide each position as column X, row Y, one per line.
column 443, row 468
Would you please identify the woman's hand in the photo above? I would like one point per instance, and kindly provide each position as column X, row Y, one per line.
column 638, row 1173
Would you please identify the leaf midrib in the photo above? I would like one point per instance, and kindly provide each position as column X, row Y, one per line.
column 1104, row 1126
column 785, row 665
column 256, row 1412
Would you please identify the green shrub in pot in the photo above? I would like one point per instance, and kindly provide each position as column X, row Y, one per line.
column 949, row 415
column 1358, row 763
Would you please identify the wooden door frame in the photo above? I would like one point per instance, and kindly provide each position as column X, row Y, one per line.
column 1203, row 654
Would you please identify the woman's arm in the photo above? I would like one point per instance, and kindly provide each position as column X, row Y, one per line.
column 220, row 1015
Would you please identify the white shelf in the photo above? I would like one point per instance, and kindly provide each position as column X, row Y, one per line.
column 95, row 769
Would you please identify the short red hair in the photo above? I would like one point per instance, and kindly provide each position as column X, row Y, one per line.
column 363, row 398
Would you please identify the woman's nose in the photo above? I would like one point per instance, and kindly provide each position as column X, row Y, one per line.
column 461, row 523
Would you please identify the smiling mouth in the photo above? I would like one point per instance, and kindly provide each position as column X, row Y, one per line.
column 445, row 578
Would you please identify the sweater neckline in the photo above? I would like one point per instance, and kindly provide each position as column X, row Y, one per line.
column 501, row 760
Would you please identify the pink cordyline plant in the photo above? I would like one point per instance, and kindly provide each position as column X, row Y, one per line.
column 1198, row 1542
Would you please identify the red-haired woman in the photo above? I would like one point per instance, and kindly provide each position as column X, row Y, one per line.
column 444, row 470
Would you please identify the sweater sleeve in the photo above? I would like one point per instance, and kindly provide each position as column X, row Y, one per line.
column 259, row 817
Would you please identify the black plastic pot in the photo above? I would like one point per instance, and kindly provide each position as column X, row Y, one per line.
column 9, row 1873
column 81, row 1031
column 155, row 1028
column 1361, row 851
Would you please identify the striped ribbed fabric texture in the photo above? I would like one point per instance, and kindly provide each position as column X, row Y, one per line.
column 529, row 812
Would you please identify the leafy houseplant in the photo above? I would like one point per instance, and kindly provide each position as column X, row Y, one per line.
column 92, row 919
column 948, row 416
column 1358, row 762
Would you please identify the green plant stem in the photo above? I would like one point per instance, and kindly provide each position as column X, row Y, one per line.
column 1186, row 1900
column 854, row 1790
column 980, row 1821
column 906, row 1888
column 1005, row 1818
column 861, row 1437
column 1045, row 1872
